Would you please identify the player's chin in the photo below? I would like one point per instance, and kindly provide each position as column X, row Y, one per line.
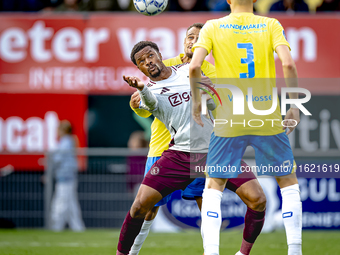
column 189, row 54
column 155, row 73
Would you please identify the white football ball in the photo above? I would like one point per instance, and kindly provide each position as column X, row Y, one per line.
column 150, row 7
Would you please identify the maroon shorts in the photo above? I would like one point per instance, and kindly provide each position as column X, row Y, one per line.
column 173, row 171
column 234, row 183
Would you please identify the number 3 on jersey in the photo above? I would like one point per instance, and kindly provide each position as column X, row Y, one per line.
column 249, row 60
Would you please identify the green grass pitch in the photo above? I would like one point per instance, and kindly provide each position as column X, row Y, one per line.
column 103, row 242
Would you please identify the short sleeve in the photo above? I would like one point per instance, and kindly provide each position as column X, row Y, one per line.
column 208, row 69
column 205, row 38
column 278, row 35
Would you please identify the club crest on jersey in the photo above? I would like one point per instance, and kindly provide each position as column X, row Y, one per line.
column 164, row 90
column 154, row 170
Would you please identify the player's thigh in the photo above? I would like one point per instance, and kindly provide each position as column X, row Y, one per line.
column 224, row 156
column 273, row 155
column 149, row 163
column 145, row 200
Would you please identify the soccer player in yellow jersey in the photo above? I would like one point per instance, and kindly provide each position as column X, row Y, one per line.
column 242, row 45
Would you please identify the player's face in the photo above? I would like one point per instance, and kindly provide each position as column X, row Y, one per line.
column 190, row 39
column 149, row 61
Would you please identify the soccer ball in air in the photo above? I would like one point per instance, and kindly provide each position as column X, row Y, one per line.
column 150, row 7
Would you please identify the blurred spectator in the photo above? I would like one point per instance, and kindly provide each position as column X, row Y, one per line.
column 65, row 206
column 73, row 5
column 136, row 164
column 219, row 5
column 329, row 5
column 137, row 140
column 187, row 5
column 113, row 5
column 23, row 5
column 289, row 5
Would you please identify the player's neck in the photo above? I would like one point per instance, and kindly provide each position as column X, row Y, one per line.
column 242, row 8
column 165, row 74
column 185, row 59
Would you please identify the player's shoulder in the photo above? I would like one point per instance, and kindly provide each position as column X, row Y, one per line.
column 172, row 61
column 180, row 67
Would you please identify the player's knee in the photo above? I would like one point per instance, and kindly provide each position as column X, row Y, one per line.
column 258, row 202
column 151, row 214
column 138, row 210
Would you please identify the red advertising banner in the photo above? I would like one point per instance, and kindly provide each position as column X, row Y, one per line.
column 28, row 124
column 90, row 53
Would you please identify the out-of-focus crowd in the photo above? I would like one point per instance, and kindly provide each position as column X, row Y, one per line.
column 262, row 6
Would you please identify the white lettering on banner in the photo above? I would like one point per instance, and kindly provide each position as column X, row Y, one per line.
column 93, row 39
column 319, row 190
column 315, row 194
column 307, row 50
column 38, row 35
column 66, row 46
column 81, row 78
column 35, row 139
column 309, row 39
column 321, row 219
column 333, row 196
column 127, row 41
column 13, row 45
column 14, row 134
column 327, row 129
column 164, row 37
column 33, row 135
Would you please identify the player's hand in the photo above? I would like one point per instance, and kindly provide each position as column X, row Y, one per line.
column 135, row 100
column 134, row 82
column 196, row 113
column 292, row 114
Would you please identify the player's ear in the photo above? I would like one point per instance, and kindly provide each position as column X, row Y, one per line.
column 229, row 2
column 254, row 1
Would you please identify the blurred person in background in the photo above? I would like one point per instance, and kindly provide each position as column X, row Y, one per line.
column 65, row 206
column 136, row 164
column 73, row 5
column 220, row 5
column 137, row 140
column 187, row 5
column 23, row 5
column 113, row 5
column 289, row 6
column 329, row 5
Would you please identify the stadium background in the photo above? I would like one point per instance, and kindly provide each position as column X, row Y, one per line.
column 56, row 66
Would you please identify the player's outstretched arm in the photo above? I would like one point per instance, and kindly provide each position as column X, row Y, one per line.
column 195, row 77
column 291, row 79
column 149, row 101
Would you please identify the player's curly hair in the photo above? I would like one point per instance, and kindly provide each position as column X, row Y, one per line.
column 197, row 25
column 141, row 45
